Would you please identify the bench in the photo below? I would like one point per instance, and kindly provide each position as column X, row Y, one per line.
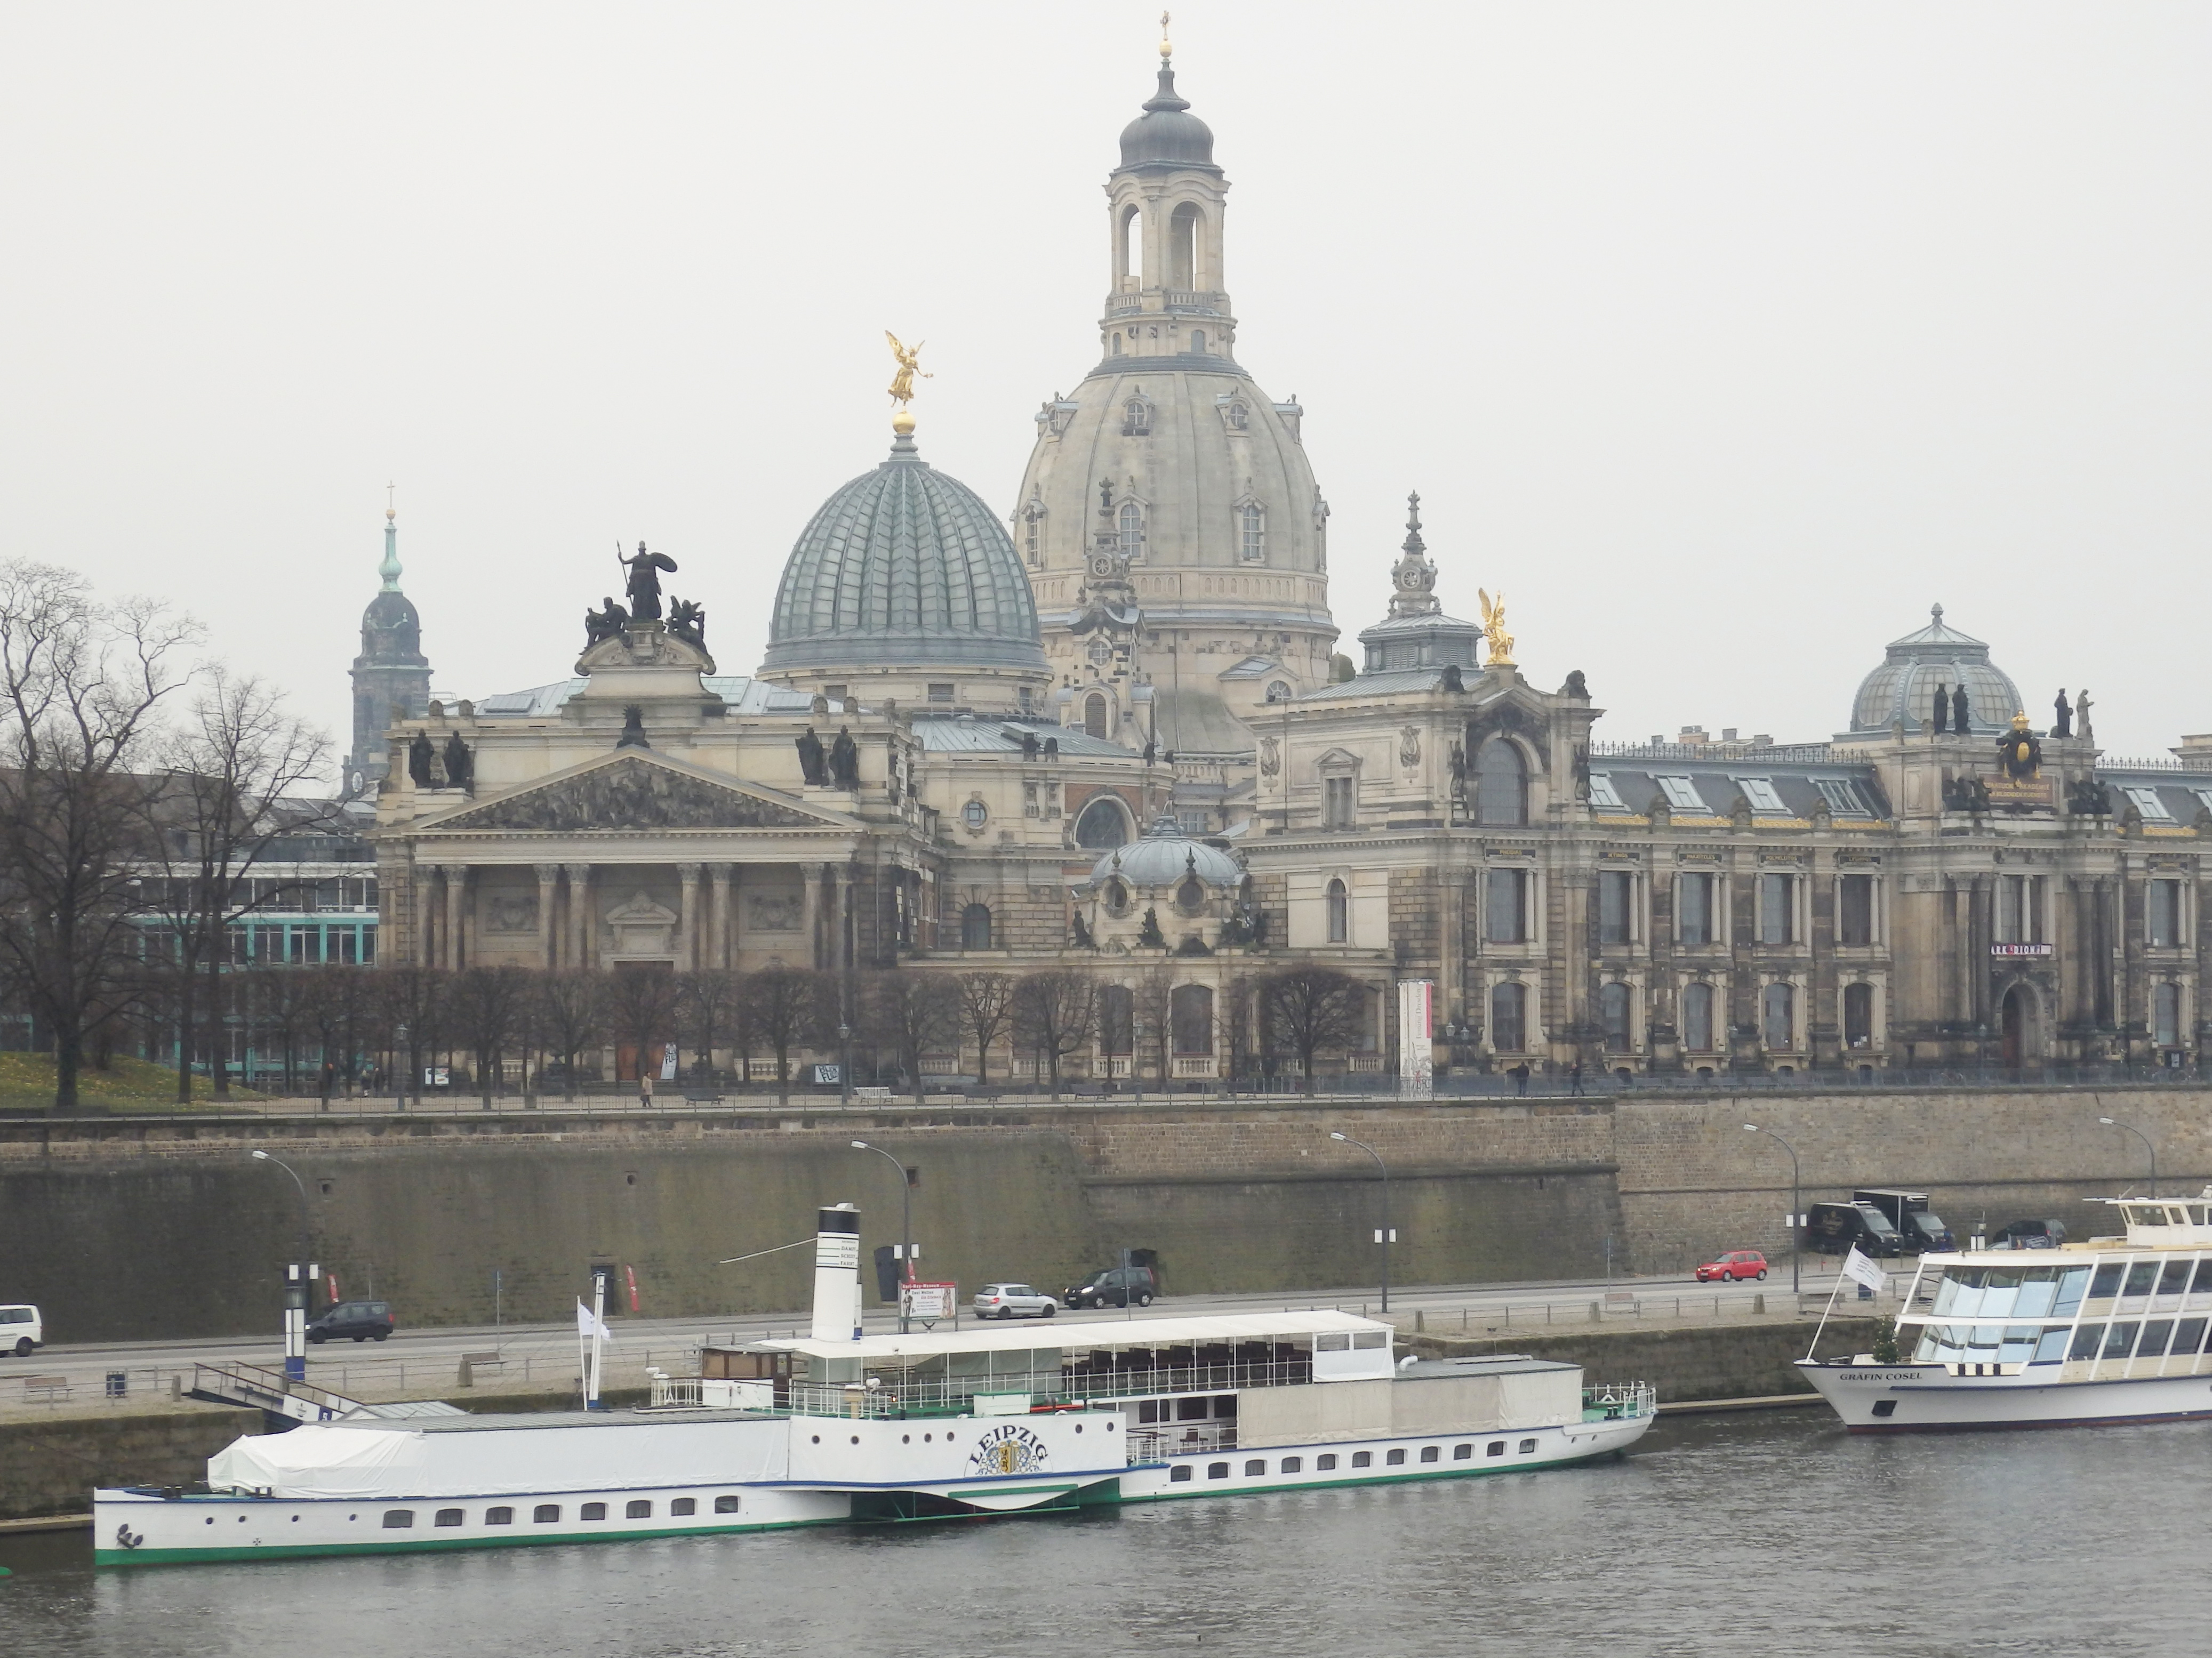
column 48, row 1387
column 1621, row 1301
column 872, row 1096
column 472, row 1362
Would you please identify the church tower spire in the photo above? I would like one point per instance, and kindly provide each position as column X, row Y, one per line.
column 391, row 676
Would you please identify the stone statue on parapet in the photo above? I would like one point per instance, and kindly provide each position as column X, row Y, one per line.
column 1961, row 716
column 2062, row 723
column 2087, row 798
column 420, row 754
column 460, row 765
column 2081, row 713
column 810, row 759
column 607, row 623
column 845, row 760
column 687, row 621
column 644, row 581
column 1942, row 708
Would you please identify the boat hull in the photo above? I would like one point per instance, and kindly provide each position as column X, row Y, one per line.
column 1872, row 1398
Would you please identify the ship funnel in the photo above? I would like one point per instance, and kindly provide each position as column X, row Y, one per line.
column 837, row 1275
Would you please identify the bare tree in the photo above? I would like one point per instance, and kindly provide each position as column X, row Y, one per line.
column 570, row 1013
column 783, row 1011
column 915, row 1012
column 488, row 1016
column 232, row 773
column 1055, row 1012
column 1309, row 1008
column 79, row 690
column 1153, row 1005
column 642, row 1013
column 705, row 1012
column 986, row 1008
column 417, row 1007
column 336, row 1008
column 1238, row 1015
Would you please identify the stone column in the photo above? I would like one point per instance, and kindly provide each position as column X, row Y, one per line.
column 457, row 899
column 718, row 927
column 841, row 898
column 580, row 916
column 687, row 924
column 811, row 875
column 548, row 881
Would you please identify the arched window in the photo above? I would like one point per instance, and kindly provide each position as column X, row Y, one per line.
column 1116, row 1022
column 1094, row 715
column 1190, row 1014
column 1858, row 1016
column 1137, row 418
column 1131, row 249
column 1251, row 532
column 1117, row 342
column 975, row 928
column 1278, row 691
column 1501, row 784
column 1509, row 1018
column 1033, row 534
column 1133, row 529
column 1698, row 1018
column 2166, row 1016
column 1103, row 825
column 1198, row 342
column 1183, row 247
column 1779, row 1015
column 1117, row 898
column 1613, row 1010
column 1340, row 914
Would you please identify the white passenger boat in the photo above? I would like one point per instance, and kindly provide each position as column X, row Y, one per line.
column 2111, row 1329
column 837, row 1426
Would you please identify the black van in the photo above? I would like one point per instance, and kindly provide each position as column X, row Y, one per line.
column 1919, row 1225
column 1835, row 1229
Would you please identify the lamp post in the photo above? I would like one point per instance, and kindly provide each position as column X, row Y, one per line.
column 400, row 1064
column 1385, row 1236
column 1796, row 1220
column 2114, row 1122
column 298, row 1283
column 906, row 1224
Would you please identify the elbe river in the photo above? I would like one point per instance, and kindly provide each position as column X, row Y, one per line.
column 1766, row 1534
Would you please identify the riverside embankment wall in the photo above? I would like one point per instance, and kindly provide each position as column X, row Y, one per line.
column 124, row 1229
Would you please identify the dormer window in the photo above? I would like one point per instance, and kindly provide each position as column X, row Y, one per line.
column 1762, row 794
column 1602, row 794
column 1137, row 417
column 1843, row 797
column 2145, row 801
column 1278, row 691
column 1682, row 795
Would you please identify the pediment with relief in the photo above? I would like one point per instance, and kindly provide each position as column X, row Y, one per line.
column 633, row 793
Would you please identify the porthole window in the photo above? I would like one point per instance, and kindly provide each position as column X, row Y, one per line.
column 448, row 1517
column 1190, row 897
column 1117, row 898
column 726, row 1504
column 592, row 1511
column 975, row 814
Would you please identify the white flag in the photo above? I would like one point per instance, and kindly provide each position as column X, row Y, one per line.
column 589, row 1323
column 1860, row 1270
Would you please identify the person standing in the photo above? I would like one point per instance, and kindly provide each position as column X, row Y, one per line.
column 644, row 1082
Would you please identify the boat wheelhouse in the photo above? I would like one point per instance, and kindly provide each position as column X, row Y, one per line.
column 2110, row 1329
column 839, row 1425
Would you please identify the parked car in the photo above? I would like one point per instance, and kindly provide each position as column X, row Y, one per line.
column 1115, row 1287
column 1733, row 1268
column 1921, row 1227
column 359, row 1321
column 21, row 1330
column 1834, row 1229
column 1013, row 1301
column 2030, row 1235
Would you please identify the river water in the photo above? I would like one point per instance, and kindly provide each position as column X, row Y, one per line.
column 1766, row 1534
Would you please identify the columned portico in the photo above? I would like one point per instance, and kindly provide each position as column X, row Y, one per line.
column 580, row 916
column 549, row 888
column 688, row 922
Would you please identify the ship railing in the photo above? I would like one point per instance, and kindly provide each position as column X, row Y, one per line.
column 677, row 1390
column 1157, row 1444
column 1611, row 1401
column 1069, row 1386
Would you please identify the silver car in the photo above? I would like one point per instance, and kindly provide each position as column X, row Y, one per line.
column 1013, row 1301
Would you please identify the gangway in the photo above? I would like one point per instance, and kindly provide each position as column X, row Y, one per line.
column 254, row 1387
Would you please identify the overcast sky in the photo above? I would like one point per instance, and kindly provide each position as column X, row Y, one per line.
column 1723, row 339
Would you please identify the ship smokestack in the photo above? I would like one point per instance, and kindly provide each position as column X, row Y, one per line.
column 837, row 1275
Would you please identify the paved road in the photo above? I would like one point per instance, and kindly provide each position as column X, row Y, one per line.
column 538, row 1355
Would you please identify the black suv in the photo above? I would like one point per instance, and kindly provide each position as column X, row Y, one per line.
column 1115, row 1287
column 363, row 1320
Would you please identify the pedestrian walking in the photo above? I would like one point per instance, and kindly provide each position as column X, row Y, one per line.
column 1575, row 1077
column 644, row 1086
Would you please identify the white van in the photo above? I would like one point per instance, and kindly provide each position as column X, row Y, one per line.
column 21, row 1330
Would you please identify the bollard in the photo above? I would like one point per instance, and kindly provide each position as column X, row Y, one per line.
column 1595, row 1316
column 1420, row 1319
column 468, row 1375
column 1758, row 1305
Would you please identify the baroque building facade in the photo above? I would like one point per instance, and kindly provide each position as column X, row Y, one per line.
column 1119, row 738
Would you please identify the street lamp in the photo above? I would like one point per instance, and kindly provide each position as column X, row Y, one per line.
column 906, row 1224
column 2114, row 1122
column 401, row 1063
column 298, row 1283
column 1795, row 1215
column 1386, row 1237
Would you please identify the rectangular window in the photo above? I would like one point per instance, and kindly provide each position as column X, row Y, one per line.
column 2120, row 1340
column 1855, row 909
column 726, row 1504
column 1777, row 909
column 1844, row 798
column 1325, row 1463
column 2188, row 1336
column 1528, row 1447
column 2087, row 1340
column 501, row 1517
column 448, row 1517
column 1682, row 795
column 1495, row 1448
column 1180, row 1474
column 2147, row 801
column 1293, row 1465
column 2165, row 914
column 1432, row 1453
column 1505, row 899
column 1761, row 792
column 1396, row 1457
column 1602, row 794
column 1616, row 891
column 592, row 1511
column 1694, row 919
column 1256, row 1467
column 683, row 1507
column 1217, row 1470
column 1339, row 801
column 639, row 1510
column 2156, row 1334
column 545, row 1514
column 1462, row 1452
column 398, row 1519
column 940, row 691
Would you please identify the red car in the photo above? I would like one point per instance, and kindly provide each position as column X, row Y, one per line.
column 1738, row 1265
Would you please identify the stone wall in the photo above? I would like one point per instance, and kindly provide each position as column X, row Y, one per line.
column 1737, row 1361
column 50, row 1465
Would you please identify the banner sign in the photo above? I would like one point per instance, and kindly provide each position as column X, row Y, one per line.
column 930, row 1302
column 1416, row 1035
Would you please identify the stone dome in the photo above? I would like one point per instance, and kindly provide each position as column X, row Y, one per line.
column 1904, row 686
column 391, row 632
column 1163, row 856
column 905, row 567
column 1167, row 134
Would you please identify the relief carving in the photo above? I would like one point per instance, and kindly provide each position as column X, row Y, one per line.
column 510, row 912
column 632, row 794
column 774, row 912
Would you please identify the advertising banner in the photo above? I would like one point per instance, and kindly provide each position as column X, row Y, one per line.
column 1416, row 1026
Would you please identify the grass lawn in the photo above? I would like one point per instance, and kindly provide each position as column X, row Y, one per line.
column 26, row 1083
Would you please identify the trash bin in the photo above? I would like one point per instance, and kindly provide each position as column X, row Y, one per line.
column 118, row 1383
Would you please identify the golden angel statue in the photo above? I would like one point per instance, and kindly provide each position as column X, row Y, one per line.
column 908, row 362
column 1493, row 629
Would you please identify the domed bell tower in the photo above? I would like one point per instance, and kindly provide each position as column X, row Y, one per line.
column 1168, row 490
